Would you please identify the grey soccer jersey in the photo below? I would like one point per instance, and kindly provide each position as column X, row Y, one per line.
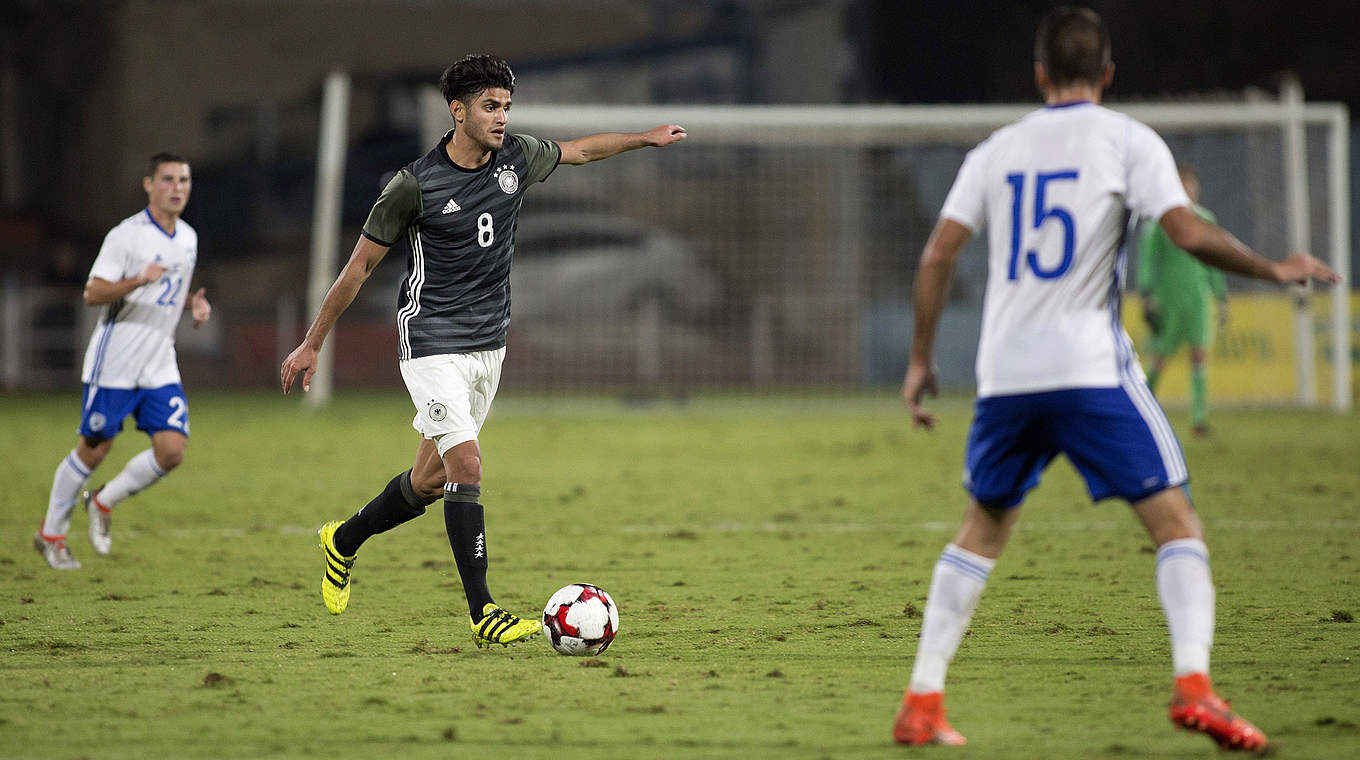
column 460, row 224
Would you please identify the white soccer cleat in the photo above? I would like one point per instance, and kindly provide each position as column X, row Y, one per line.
column 55, row 552
column 101, row 523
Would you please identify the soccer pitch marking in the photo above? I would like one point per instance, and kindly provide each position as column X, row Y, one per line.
column 802, row 527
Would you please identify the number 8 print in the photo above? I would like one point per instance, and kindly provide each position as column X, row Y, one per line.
column 486, row 232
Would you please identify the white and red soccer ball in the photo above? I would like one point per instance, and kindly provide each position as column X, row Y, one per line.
column 580, row 619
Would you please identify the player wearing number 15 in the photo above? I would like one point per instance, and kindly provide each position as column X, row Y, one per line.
column 140, row 279
column 456, row 209
column 1056, row 373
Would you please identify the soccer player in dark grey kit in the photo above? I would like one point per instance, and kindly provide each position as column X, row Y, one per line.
column 458, row 208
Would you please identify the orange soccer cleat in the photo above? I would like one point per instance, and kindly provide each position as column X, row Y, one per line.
column 921, row 721
column 1196, row 707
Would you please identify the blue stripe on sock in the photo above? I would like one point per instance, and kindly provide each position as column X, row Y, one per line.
column 77, row 465
column 967, row 559
column 964, row 566
column 1181, row 551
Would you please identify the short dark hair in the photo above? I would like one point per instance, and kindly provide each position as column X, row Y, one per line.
column 474, row 73
column 1073, row 44
column 154, row 163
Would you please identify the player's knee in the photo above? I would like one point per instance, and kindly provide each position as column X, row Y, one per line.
column 428, row 486
column 91, row 451
column 466, row 468
column 169, row 457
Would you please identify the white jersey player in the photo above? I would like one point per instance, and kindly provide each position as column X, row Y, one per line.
column 1056, row 372
column 140, row 280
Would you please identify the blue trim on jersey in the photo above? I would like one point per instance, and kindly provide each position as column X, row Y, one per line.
column 158, row 226
column 101, row 348
column 1065, row 104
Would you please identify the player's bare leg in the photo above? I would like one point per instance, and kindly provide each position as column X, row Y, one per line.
column 1187, row 594
column 986, row 531
column 1154, row 374
column 91, row 451
column 427, row 473
column 141, row 472
column 1199, row 393
column 955, row 588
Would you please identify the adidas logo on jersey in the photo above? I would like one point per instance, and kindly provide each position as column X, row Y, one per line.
column 452, row 206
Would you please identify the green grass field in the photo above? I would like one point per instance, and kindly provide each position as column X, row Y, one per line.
column 769, row 556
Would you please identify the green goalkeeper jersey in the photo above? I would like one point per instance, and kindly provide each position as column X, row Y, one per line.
column 1175, row 278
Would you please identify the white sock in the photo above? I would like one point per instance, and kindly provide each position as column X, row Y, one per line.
column 140, row 472
column 1187, row 593
column 955, row 589
column 69, row 478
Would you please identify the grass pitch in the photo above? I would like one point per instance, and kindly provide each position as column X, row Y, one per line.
column 770, row 558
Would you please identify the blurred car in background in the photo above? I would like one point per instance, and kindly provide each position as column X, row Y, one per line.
column 592, row 266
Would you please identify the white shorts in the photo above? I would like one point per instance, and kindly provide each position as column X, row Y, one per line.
column 452, row 394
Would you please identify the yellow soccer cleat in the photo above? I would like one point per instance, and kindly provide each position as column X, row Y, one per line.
column 500, row 627
column 335, row 581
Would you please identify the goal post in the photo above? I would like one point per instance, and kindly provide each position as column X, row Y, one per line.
column 808, row 220
column 330, row 182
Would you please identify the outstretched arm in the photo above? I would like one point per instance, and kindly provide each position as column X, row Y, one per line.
column 1218, row 248
column 595, row 147
column 302, row 360
column 931, row 291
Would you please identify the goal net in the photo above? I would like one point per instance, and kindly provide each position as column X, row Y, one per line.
column 777, row 246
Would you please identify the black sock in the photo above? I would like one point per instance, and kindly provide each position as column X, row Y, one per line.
column 465, row 521
column 396, row 504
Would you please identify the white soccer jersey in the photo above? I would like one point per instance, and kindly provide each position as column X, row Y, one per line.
column 133, row 345
column 1056, row 188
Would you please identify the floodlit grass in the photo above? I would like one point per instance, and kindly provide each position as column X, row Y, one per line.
column 770, row 557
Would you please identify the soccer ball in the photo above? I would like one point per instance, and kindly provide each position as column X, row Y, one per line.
column 580, row 619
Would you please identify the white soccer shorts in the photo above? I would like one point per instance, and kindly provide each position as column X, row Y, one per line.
column 452, row 394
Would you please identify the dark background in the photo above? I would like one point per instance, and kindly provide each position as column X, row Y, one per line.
column 84, row 78
column 90, row 89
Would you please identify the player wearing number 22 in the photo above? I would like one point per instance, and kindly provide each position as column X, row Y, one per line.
column 1056, row 372
column 140, row 279
column 456, row 209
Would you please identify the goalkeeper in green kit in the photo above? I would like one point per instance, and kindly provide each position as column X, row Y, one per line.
column 1176, row 290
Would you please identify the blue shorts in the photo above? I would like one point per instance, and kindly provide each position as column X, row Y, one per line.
column 1117, row 438
column 157, row 409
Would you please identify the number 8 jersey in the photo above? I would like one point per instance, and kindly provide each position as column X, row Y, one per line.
column 1055, row 190
column 133, row 345
column 460, row 226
